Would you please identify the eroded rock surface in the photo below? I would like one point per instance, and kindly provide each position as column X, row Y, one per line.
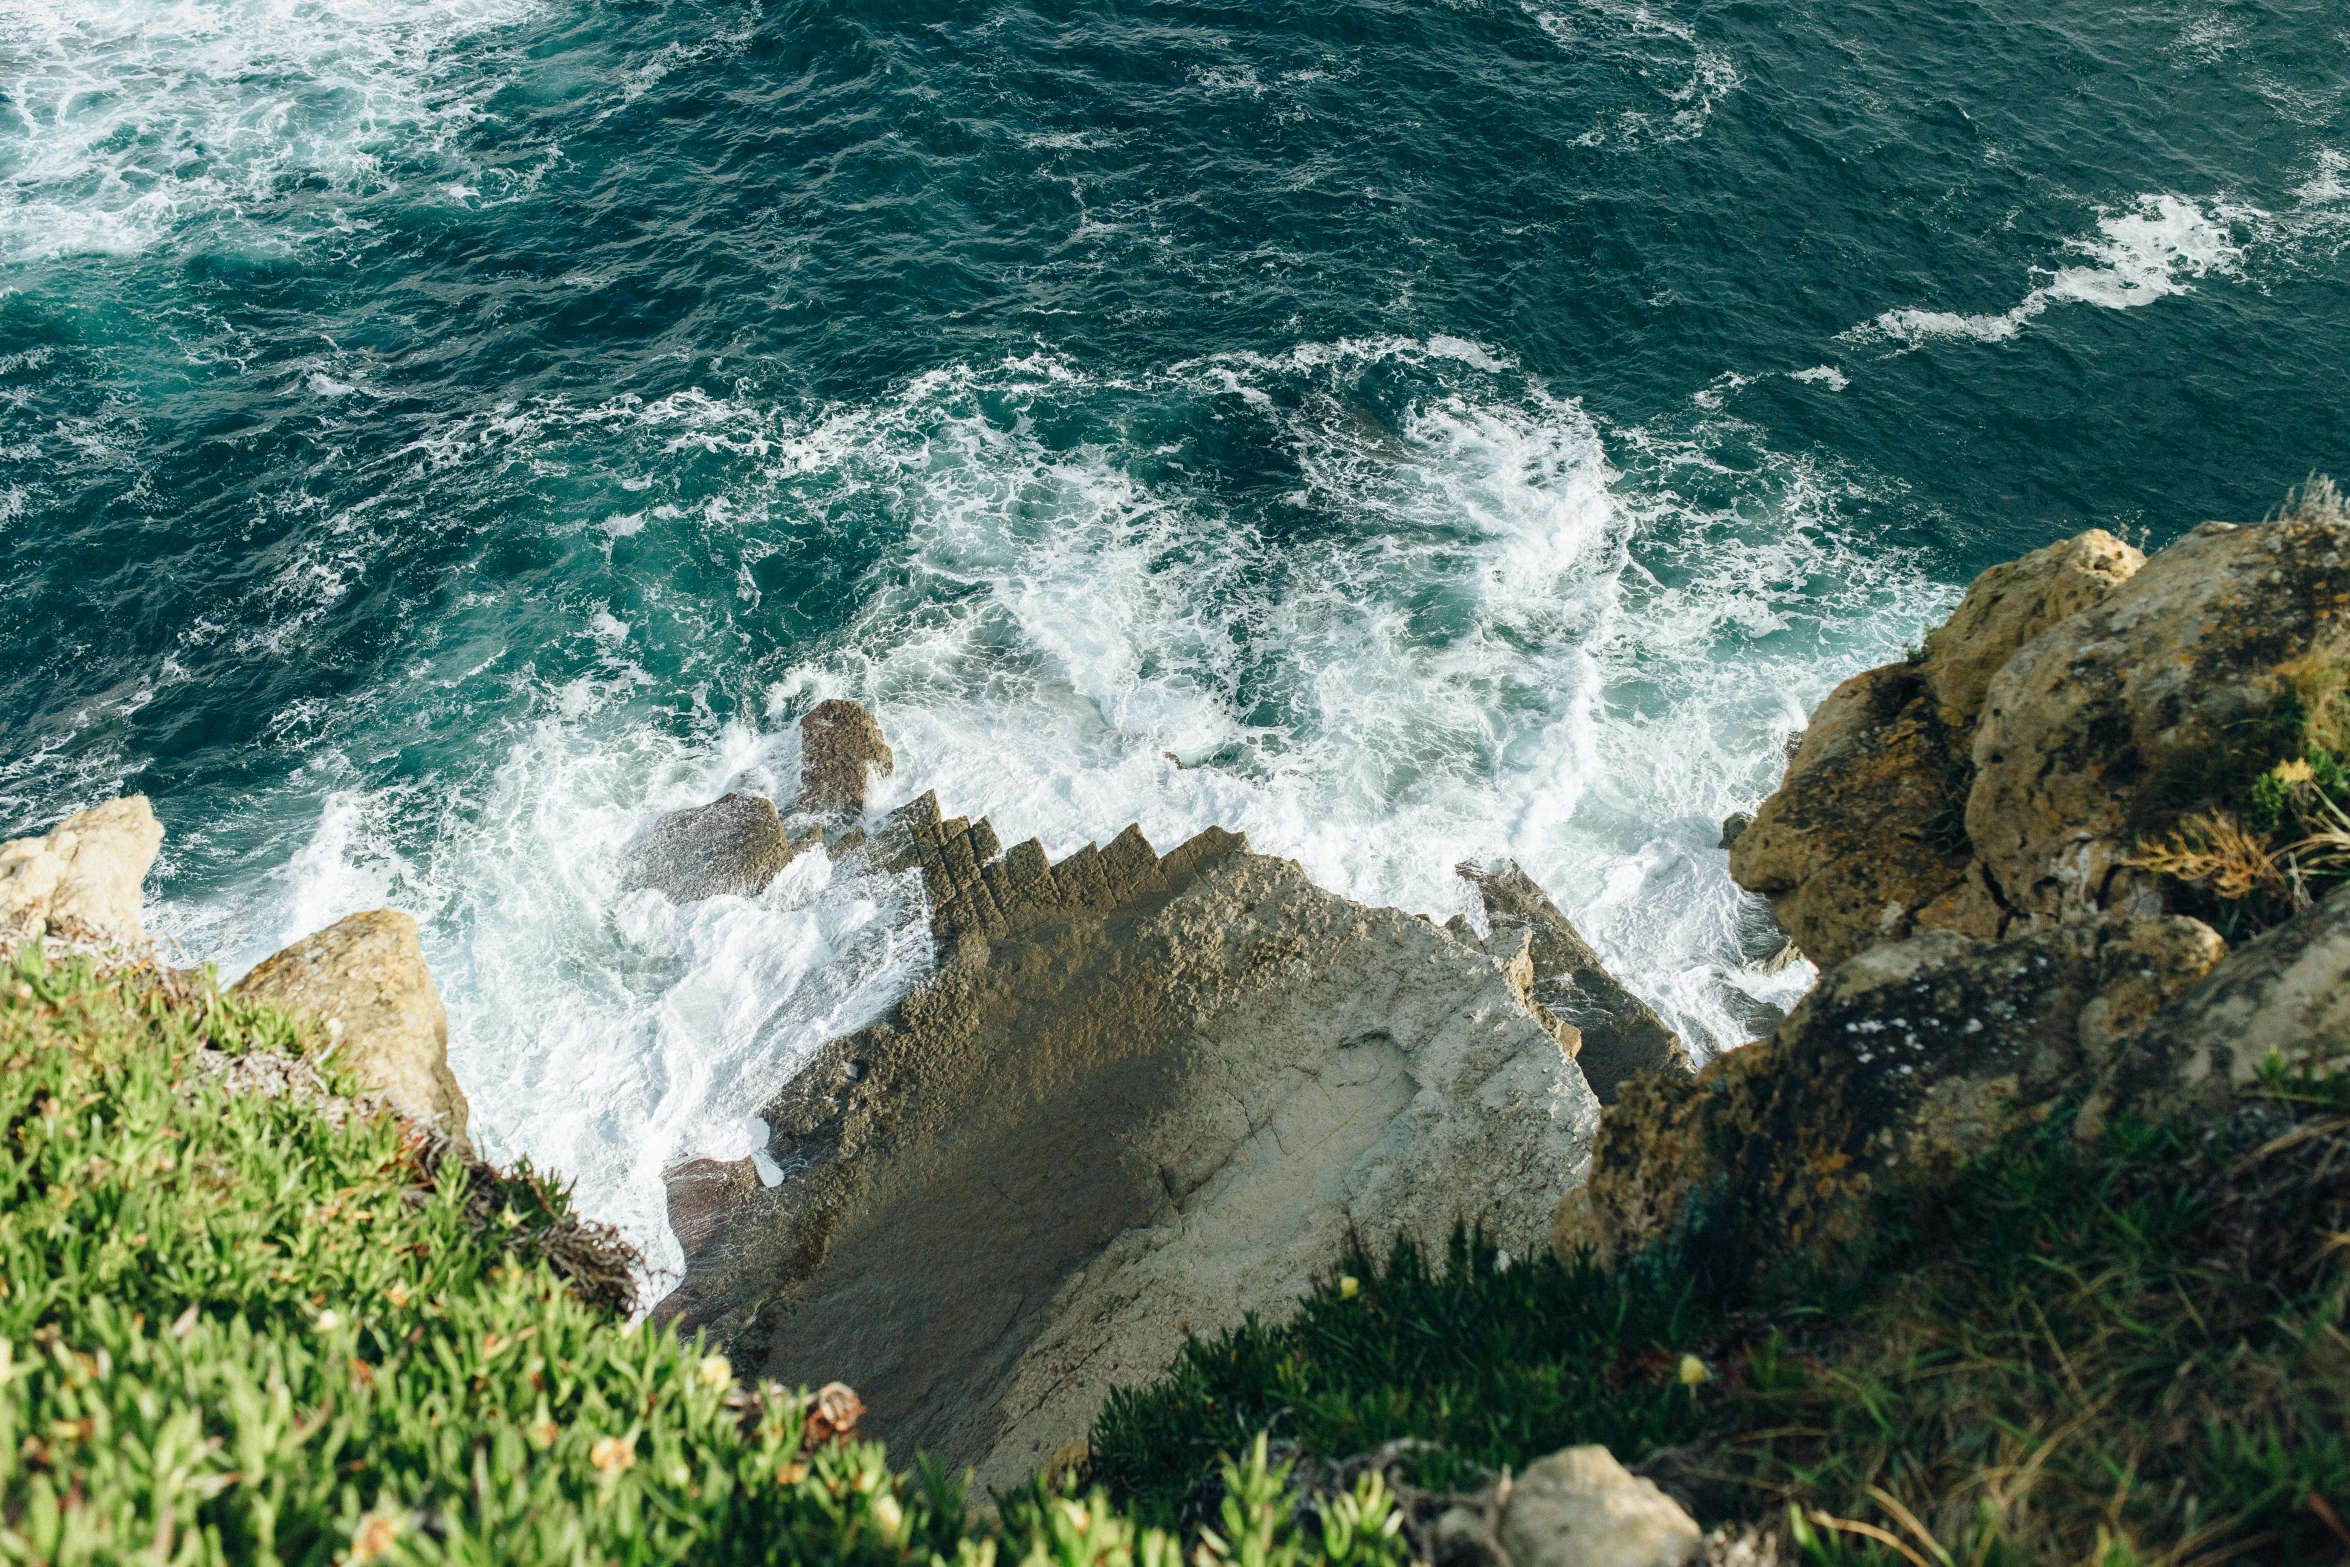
column 1903, row 1064
column 735, row 844
column 1866, row 840
column 1621, row 1034
column 365, row 981
column 2285, row 994
column 1142, row 1097
column 840, row 746
column 81, row 881
column 2169, row 695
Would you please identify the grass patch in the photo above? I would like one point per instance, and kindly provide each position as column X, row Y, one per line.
column 2132, row 1353
column 253, row 1328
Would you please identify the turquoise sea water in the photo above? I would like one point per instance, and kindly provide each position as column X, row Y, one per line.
column 437, row 434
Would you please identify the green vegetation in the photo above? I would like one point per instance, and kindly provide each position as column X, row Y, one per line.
column 2126, row 1354
column 254, row 1329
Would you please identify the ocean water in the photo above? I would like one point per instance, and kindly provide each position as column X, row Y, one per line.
column 436, row 435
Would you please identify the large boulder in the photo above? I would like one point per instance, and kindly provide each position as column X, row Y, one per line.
column 840, row 747
column 1142, row 1097
column 364, row 980
column 2169, row 696
column 1866, row 840
column 81, row 881
column 734, row 845
column 1620, row 1033
column 1903, row 1065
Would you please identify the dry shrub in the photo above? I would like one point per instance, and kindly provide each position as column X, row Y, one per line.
column 2214, row 850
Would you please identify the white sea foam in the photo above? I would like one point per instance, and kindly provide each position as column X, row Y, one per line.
column 1482, row 624
column 1654, row 46
column 123, row 122
column 2142, row 253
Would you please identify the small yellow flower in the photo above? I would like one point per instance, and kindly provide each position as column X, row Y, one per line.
column 376, row 1533
column 1693, row 1371
column 1349, row 1286
column 398, row 1296
column 543, row 1430
column 715, row 1371
column 888, row 1514
column 613, row 1454
column 791, row 1474
column 2296, row 771
column 329, row 1320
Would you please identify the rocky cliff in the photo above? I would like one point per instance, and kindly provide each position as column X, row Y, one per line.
column 2086, row 852
column 1143, row 1097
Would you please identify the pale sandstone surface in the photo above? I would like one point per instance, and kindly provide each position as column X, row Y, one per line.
column 364, row 980
column 1581, row 1508
column 81, row 881
column 1143, row 1097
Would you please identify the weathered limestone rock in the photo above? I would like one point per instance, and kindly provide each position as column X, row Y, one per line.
column 1734, row 827
column 1580, row 1508
column 1621, row 1034
column 365, row 980
column 1903, row 1064
column 1866, row 839
column 2010, row 604
column 2168, row 696
column 838, row 741
column 1142, row 1097
column 735, row 845
column 2286, row 993
column 81, row 880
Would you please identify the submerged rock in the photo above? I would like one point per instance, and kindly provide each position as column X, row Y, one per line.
column 1142, row 1097
column 1902, row 1065
column 81, row 881
column 365, row 981
column 1621, row 1034
column 734, row 845
column 839, row 742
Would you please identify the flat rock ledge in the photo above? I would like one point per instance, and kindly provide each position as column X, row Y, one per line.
column 1143, row 1096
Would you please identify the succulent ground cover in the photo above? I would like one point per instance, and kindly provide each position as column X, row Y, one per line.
column 246, row 1317
column 2127, row 1353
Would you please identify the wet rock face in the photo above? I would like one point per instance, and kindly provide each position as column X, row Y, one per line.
column 2168, row 696
column 839, row 742
column 1903, row 1064
column 364, row 980
column 734, row 845
column 1867, row 838
column 1143, row 1096
column 81, row 881
column 1621, row 1034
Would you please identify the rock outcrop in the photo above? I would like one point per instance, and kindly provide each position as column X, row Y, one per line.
column 839, row 742
column 2169, row 696
column 1620, row 1034
column 1866, row 840
column 734, row 845
column 2284, row 996
column 1903, row 1064
column 364, row 980
column 1143, row 1096
column 81, row 881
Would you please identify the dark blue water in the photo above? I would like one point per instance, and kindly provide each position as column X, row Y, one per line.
column 435, row 435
